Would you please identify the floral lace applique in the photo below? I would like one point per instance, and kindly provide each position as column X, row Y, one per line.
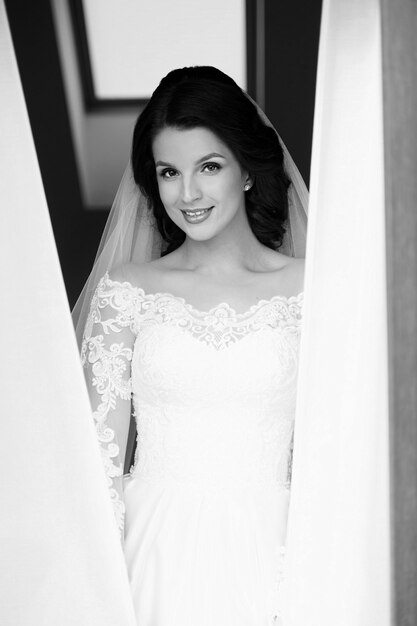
column 221, row 326
column 119, row 311
column 108, row 365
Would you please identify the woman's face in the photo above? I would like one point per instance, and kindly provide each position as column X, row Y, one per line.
column 200, row 181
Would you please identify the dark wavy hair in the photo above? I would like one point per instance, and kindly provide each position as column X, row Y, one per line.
column 203, row 96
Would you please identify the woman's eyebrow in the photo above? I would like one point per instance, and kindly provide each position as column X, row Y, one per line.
column 204, row 158
column 209, row 156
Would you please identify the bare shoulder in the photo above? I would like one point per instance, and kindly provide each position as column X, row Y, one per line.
column 288, row 272
column 295, row 269
column 123, row 273
column 144, row 275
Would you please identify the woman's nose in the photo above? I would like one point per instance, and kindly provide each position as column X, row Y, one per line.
column 190, row 190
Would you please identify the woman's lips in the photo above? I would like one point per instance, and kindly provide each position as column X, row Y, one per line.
column 196, row 215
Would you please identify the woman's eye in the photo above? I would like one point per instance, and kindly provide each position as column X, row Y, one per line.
column 168, row 173
column 211, row 167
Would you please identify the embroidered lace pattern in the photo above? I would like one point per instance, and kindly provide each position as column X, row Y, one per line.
column 213, row 392
column 108, row 362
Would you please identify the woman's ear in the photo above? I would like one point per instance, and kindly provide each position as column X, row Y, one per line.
column 249, row 180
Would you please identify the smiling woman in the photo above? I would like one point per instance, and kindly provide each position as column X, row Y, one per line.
column 215, row 113
column 193, row 318
column 195, row 189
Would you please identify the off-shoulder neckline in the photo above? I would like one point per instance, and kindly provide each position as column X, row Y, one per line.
column 153, row 296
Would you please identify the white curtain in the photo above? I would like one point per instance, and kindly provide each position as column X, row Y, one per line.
column 60, row 557
column 338, row 564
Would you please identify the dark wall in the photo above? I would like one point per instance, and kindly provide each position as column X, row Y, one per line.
column 291, row 39
column 76, row 231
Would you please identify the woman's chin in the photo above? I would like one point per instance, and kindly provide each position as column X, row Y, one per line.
column 199, row 235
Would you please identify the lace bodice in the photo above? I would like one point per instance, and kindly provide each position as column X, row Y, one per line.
column 213, row 392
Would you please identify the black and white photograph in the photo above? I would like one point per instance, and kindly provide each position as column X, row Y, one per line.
column 208, row 253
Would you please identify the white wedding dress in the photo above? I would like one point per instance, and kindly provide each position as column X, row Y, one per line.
column 206, row 501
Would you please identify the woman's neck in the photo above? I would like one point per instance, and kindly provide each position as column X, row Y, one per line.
column 234, row 249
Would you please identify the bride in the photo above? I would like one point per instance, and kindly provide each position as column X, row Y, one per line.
column 192, row 318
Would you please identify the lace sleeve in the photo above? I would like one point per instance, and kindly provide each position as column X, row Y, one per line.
column 106, row 355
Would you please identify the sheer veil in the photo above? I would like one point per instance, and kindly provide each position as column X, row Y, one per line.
column 131, row 235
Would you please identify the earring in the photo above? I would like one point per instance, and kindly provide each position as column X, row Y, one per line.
column 247, row 187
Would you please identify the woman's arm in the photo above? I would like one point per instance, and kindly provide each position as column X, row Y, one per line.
column 107, row 350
